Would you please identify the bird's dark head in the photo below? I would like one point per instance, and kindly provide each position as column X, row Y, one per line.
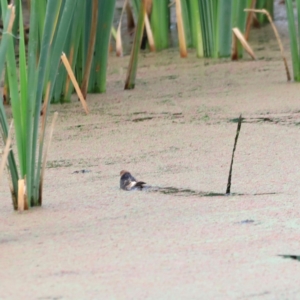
column 123, row 172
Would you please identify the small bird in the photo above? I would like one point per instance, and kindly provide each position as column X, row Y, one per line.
column 128, row 182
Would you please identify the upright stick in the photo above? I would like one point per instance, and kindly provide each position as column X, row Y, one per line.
column 234, row 147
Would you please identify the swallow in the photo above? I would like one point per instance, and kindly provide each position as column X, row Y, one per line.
column 128, row 182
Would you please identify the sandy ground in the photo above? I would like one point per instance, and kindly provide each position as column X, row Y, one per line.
column 175, row 129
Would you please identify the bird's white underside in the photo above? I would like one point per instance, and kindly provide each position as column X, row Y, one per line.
column 132, row 184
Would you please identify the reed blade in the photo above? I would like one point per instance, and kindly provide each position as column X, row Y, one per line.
column 293, row 39
column 97, row 83
column 196, row 28
column 91, row 49
column 132, row 68
column 6, row 151
column 160, row 23
column 45, row 158
column 180, row 28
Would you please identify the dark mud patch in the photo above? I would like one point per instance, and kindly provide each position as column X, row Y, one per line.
column 66, row 163
column 59, row 163
column 247, row 221
column 7, row 240
column 294, row 257
column 140, row 113
column 163, row 115
column 254, row 120
column 142, row 119
column 189, row 192
column 180, row 191
column 83, row 171
column 288, row 119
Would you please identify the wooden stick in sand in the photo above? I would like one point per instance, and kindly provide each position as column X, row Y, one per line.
column 234, row 147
